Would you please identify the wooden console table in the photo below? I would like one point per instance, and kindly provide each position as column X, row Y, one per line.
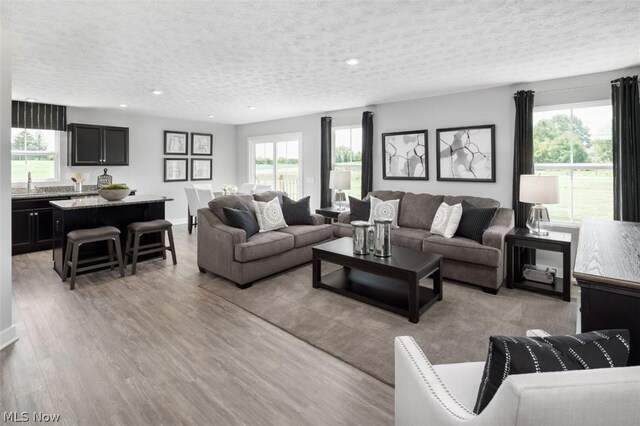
column 608, row 272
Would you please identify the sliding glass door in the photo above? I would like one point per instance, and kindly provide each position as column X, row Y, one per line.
column 275, row 161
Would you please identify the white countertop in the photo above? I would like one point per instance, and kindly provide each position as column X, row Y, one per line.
column 99, row 202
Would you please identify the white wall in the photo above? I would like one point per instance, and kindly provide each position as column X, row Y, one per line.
column 491, row 106
column 7, row 329
column 309, row 126
column 146, row 148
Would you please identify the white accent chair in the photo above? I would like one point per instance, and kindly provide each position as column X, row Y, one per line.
column 445, row 394
column 193, row 203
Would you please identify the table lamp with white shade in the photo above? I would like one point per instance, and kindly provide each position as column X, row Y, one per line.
column 539, row 190
column 340, row 181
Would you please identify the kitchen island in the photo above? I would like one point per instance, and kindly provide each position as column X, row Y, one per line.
column 92, row 212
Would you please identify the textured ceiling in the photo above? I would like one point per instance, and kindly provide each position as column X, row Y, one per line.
column 286, row 58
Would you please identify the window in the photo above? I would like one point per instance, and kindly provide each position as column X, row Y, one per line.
column 347, row 155
column 276, row 162
column 574, row 143
column 35, row 151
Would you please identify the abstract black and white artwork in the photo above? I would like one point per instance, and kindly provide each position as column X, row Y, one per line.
column 405, row 155
column 466, row 154
column 176, row 169
column 201, row 169
column 201, row 143
column 175, row 143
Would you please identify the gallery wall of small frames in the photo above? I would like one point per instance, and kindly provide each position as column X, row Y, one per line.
column 178, row 147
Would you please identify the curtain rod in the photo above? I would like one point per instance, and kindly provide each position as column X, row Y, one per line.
column 617, row 83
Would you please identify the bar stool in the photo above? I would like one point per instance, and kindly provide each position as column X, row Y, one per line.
column 138, row 229
column 78, row 237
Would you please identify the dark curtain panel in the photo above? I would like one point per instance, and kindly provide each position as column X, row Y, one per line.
column 522, row 165
column 31, row 115
column 367, row 153
column 626, row 149
column 325, row 161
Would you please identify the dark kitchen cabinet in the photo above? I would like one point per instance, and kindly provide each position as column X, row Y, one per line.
column 94, row 145
column 32, row 225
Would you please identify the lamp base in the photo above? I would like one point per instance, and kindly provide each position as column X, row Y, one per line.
column 341, row 200
column 538, row 221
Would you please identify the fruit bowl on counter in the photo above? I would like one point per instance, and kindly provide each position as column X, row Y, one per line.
column 114, row 192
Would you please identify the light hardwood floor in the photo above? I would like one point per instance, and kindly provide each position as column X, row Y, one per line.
column 155, row 348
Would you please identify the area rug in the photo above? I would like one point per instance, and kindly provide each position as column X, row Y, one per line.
column 457, row 329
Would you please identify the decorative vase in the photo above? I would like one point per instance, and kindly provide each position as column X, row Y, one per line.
column 382, row 246
column 360, row 237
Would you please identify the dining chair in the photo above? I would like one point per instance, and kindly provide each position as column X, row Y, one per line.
column 261, row 188
column 203, row 186
column 193, row 204
column 204, row 195
column 246, row 188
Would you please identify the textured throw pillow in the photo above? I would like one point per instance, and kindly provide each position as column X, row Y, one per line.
column 474, row 221
column 521, row 355
column 269, row 215
column 360, row 209
column 242, row 217
column 296, row 212
column 384, row 210
column 446, row 221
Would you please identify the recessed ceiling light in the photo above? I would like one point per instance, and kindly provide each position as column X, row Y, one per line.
column 30, row 99
column 123, row 105
column 252, row 108
column 157, row 92
column 210, row 115
column 352, row 61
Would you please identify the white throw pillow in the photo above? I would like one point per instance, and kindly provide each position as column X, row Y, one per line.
column 269, row 215
column 447, row 219
column 384, row 210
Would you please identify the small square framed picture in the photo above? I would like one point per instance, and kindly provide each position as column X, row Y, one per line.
column 176, row 169
column 201, row 169
column 201, row 144
column 176, row 143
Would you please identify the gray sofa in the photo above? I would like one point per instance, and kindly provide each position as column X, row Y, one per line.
column 465, row 260
column 226, row 251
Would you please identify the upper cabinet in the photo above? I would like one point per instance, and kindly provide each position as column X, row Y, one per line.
column 93, row 145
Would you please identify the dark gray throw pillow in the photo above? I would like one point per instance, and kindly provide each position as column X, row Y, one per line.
column 360, row 209
column 243, row 218
column 474, row 221
column 522, row 355
column 296, row 212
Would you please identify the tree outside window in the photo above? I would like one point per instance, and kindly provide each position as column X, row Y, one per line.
column 575, row 144
column 34, row 151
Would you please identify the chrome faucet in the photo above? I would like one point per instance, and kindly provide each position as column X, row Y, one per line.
column 29, row 183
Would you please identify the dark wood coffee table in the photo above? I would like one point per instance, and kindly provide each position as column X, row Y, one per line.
column 390, row 283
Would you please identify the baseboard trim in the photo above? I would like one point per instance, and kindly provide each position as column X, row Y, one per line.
column 8, row 336
column 182, row 221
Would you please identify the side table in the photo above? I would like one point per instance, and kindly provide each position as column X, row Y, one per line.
column 555, row 241
column 330, row 213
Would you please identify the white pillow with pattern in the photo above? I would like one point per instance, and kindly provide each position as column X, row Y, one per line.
column 447, row 219
column 269, row 215
column 384, row 210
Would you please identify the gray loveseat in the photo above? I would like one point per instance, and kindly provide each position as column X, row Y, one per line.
column 226, row 251
column 465, row 260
